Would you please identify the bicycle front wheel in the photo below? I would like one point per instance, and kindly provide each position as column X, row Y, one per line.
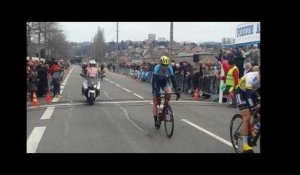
column 169, row 121
column 235, row 133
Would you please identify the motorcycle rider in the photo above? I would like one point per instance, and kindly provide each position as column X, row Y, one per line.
column 91, row 71
column 84, row 66
column 102, row 66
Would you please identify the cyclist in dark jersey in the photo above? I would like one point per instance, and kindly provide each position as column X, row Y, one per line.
column 248, row 101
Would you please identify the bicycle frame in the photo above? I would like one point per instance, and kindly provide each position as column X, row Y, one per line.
column 254, row 139
column 236, row 136
column 166, row 111
column 161, row 113
column 166, row 103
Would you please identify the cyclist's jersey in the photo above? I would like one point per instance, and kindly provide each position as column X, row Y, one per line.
column 250, row 81
column 161, row 80
column 158, row 71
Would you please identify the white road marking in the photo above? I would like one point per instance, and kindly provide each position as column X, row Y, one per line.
column 48, row 113
column 138, row 96
column 117, row 85
column 34, row 139
column 208, row 132
column 69, row 74
column 126, row 89
column 76, row 104
column 190, row 101
column 103, row 102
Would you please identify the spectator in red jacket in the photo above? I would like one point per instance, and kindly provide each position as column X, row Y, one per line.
column 225, row 66
column 56, row 74
column 54, row 68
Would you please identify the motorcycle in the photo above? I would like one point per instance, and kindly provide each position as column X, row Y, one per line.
column 91, row 88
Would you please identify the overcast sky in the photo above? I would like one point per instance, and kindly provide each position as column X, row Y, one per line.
column 138, row 31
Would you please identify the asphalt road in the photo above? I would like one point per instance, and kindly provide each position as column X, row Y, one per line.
column 121, row 121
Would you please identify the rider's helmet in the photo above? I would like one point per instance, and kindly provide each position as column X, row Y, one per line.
column 92, row 63
column 164, row 61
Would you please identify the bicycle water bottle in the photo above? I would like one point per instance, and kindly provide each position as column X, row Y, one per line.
column 161, row 108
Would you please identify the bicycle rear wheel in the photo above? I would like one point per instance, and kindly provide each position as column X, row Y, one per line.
column 169, row 121
column 235, row 133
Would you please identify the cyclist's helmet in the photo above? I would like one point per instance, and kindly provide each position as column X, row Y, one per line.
column 165, row 61
column 92, row 63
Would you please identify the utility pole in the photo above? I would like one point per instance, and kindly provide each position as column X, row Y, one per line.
column 28, row 24
column 117, row 36
column 117, row 41
column 91, row 50
column 39, row 39
column 171, row 41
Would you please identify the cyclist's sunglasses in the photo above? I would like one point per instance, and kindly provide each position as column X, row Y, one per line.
column 165, row 65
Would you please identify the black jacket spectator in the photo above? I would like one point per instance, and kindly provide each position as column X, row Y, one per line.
column 239, row 62
column 42, row 84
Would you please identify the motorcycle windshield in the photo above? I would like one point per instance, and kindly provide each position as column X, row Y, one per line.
column 91, row 81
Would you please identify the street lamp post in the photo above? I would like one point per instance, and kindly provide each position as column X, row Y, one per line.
column 171, row 40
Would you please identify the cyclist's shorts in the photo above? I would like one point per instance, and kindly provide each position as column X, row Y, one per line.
column 242, row 101
column 163, row 84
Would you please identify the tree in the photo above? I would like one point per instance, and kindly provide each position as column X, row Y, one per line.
column 98, row 46
column 28, row 39
column 35, row 33
column 46, row 40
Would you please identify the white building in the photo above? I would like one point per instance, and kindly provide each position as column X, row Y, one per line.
column 228, row 41
column 162, row 39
